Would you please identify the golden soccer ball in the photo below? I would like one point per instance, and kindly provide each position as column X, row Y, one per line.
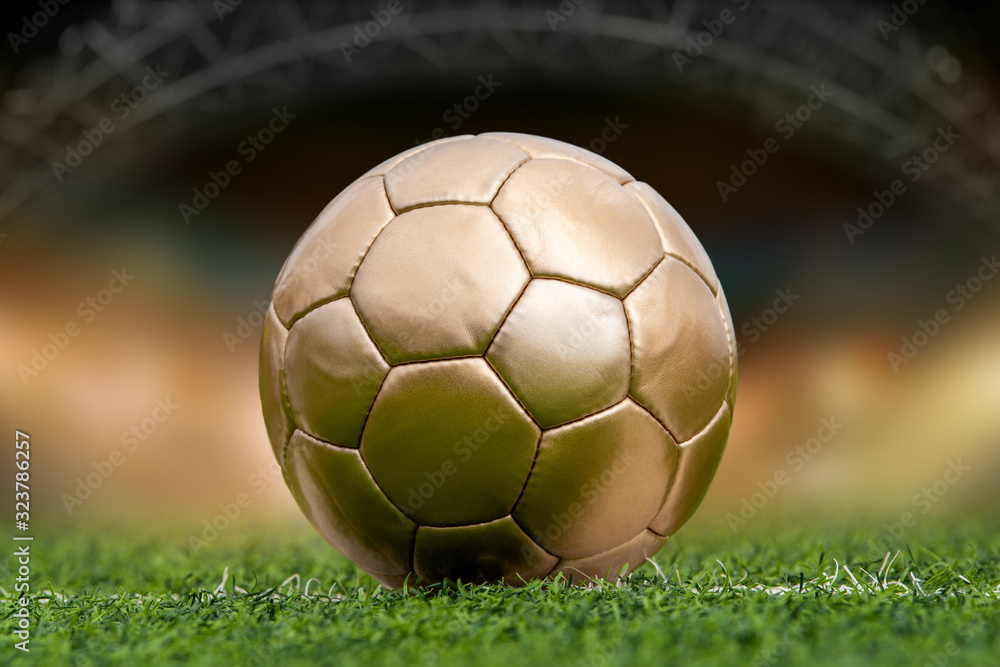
column 498, row 358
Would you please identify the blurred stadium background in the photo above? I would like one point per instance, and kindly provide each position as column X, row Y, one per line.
column 600, row 75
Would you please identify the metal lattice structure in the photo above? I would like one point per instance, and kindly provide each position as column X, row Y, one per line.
column 891, row 97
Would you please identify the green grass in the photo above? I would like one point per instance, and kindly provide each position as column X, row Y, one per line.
column 125, row 597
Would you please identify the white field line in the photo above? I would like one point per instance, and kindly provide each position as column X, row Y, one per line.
column 826, row 582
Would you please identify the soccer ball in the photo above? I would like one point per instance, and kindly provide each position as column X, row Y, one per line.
column 498, row 358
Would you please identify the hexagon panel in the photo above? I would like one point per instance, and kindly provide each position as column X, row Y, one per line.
column 597, row 482
column 334, row 372
column 572, row 221
column 543, row 147
column 437, row 282
column 467, row 171
column 676, row 235
column 448, row 443
column 680, row 350
column 339, row 497
column 273, row 397
column 699, row 459
column 720, row 297
column 564, row 351
column 383, row 167
column 322, row 264
column 487, row 552
column 608, row 565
